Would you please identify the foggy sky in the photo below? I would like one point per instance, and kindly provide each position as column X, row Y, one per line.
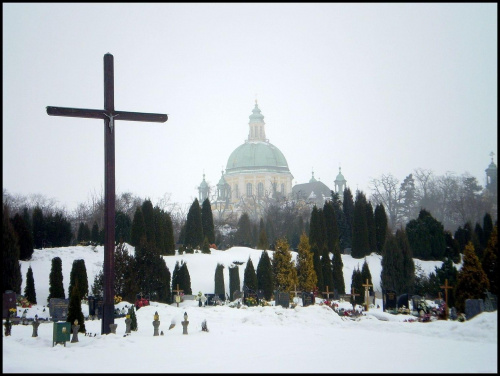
column 373, row 88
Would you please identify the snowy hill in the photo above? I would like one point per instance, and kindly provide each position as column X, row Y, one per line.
column 269, row 339
column 201, row 266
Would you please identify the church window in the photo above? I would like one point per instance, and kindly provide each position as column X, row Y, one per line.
column 249, row 189
column 260, row 189
column 283, row 189
column 236, row 191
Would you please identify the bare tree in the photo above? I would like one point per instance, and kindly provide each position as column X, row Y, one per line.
column 386, row 191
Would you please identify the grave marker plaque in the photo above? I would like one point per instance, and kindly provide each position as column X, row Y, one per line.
column 403, row 301
column 237, row 295
column 307, row 299
column 9, row 301
column 473, row 307
column 389, row 302
column 58, row 309
column 490, row 302
column 282, row 299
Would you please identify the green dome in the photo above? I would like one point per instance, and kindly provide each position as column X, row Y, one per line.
column 203, row 183
column 256, row 156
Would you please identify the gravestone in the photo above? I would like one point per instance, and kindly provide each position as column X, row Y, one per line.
column 389, row 301
column 403, row 301
column 237, row 295
column 58, row 309
column 473, row 307
column 490, row 302
column 282, row 299
column 336, row 295
column 91, row 300
column 453, row 313
column 210, row 299
column 9, row 301
column 260, row 294
column 415, row 301
column 307, row 299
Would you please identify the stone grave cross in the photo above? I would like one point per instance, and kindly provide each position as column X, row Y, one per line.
column 177, row 291
column 367, row 286
column 108, row 114
column 446, row 287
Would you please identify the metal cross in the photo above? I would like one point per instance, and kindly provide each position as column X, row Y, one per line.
column 108, row 115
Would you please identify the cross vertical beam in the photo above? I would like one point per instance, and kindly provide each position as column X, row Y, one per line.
column 109, row 197
column 446, row 288
column 366, row 286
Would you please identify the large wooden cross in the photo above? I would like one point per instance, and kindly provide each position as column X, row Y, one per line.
column 367, row 286
column 109, row 115
column 446, row 288
column 295, row 292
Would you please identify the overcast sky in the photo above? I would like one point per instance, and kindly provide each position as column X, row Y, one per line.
column 374, row 88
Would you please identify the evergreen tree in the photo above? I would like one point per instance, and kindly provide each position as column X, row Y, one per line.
column 97, row 286
column 27, row 220
column 243, row 236
column 408, row 272
column 490, row 261
column 380, row 219
column 255, row 235
column 86, row 232
column 24, row 238
column 79, row 237
column 205, row 247
column 265, row 280
column 234, row 280
column 94, row 237
column 337, row 269
column 391, row 275
column 207, row 221
column 185, row 279
column 472, row 281
column 446, row 272
column 152, row 270
column 452, row 248
column 123, row 226
column 29, row 290
column 315, row 231
column 307, row 279
column 344, row 229
column 57, row 230
column 75, row 309
column 487, row 228
column 169, row 235
column 357, row 283
column 219, row 287
column 370, row 224
column 138, row 231
column 263, row 242
column 12, row 278
column 348, row 208
column 78, row 275
column 194, row 230
column 56, row 288
column 175, row 276
column 360, row 244
column 38, row 228
column 285, row 273
column 133, row 318
column 326, row 268
column 149, row 220
column 426, row 237
column 249, row 276
column 318, row 268
column 479, row 240
column 332, row 231
column 159, row 229
column 182, row 235
column 366, row 275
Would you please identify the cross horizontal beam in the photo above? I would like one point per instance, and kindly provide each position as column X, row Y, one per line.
column 101, row 114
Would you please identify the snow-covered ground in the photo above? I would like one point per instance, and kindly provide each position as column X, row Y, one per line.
column 249, row 339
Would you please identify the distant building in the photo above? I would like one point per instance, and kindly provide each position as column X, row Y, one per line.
column 491, row 177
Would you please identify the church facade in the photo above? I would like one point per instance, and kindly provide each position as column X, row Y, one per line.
column 256, row 174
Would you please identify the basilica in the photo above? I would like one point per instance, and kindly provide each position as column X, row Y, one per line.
column 257, row 174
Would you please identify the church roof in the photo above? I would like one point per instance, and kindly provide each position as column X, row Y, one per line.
column 256, row 116
column 316, row 191
column 203, row 183
column 256, row 156
column 340, row 177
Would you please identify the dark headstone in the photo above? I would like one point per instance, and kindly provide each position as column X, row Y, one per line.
column 9, row 301
column 453, row 313
column 210, row 299
column 260, row 294
column 490, row 302
column 389, row 301
column 307, row 299
column 58, row 309
column 91, row 301
column 282, row 299
column 237, row 295
column 336, row 295
column 473, row 307
column 403, row 301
